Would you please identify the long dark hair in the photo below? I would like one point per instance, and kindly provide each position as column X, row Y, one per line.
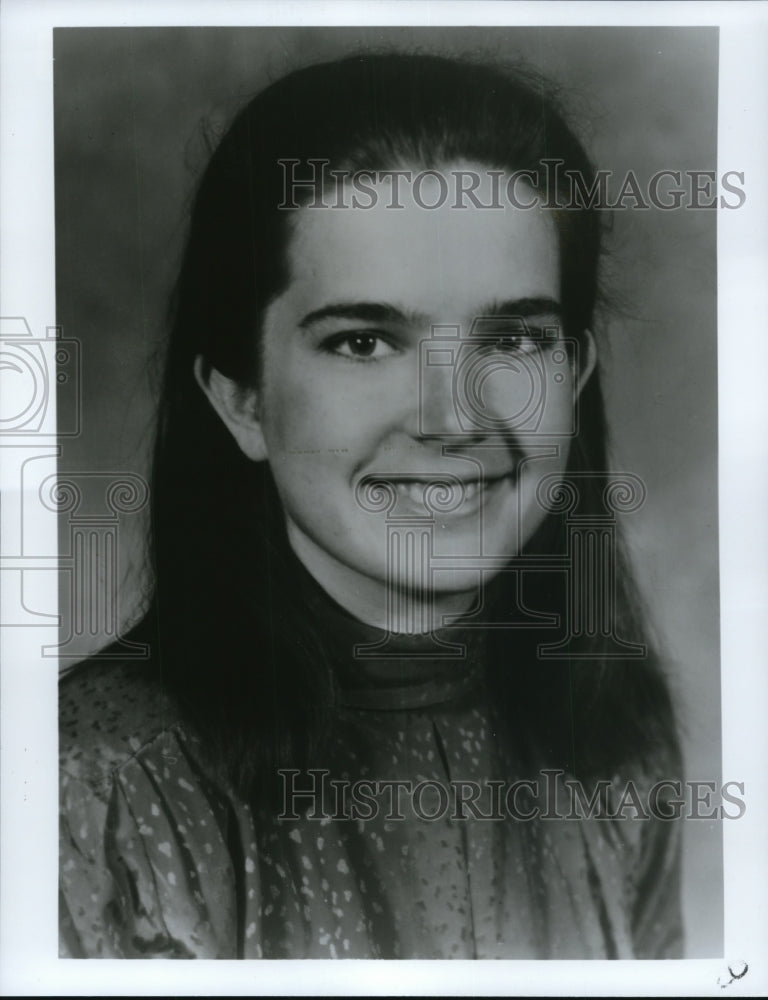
column 228, row 633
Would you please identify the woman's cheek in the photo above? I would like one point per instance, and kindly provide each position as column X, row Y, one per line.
column 559, row 408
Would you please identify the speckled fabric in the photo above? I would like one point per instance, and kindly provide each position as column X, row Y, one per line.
column 158, row 860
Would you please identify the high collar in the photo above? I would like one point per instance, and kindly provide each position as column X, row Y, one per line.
column 379, row 670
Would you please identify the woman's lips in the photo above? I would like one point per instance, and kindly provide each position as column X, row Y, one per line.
column 445, row 494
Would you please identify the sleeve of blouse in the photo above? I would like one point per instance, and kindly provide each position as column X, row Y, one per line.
column 144, row 868
column 87, row 888
column 109, row 905
column 657, row 924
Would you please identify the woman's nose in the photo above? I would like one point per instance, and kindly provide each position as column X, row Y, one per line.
column 438, row 412
column 468, row 392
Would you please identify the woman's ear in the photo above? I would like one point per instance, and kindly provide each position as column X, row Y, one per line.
column 237, row 407
column 587, row 360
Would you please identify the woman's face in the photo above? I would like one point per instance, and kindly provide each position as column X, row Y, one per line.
column 372, row 370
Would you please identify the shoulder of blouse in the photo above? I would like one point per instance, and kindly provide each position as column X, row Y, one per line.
column 144, row 864
column 109, row 711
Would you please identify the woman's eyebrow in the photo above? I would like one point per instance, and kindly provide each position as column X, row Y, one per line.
column 368, row 312
column 524, row 307
column 384, row 312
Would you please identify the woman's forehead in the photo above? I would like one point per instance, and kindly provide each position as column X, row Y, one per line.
column 429, row 260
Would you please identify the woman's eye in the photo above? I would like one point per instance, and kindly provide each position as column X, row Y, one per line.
column 511, row 343
column 532, row 340
column 360, row 346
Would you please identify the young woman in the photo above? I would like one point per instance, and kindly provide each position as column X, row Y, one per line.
column 401, row 700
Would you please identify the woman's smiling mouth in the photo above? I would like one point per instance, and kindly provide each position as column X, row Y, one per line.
column 439, row 494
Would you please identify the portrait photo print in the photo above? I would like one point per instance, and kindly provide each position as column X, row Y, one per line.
column 388, row 492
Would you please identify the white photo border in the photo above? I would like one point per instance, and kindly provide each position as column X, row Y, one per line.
column 28, row 700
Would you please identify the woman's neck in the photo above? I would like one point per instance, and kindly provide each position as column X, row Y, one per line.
column 404, row 609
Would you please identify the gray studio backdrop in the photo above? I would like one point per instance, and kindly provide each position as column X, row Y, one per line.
column 131, row 109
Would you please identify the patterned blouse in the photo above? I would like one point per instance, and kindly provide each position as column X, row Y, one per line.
column 399, row 846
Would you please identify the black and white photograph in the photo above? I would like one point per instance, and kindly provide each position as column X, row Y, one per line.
column 378, row 432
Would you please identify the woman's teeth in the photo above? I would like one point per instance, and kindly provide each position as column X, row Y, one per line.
column 415, row 490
